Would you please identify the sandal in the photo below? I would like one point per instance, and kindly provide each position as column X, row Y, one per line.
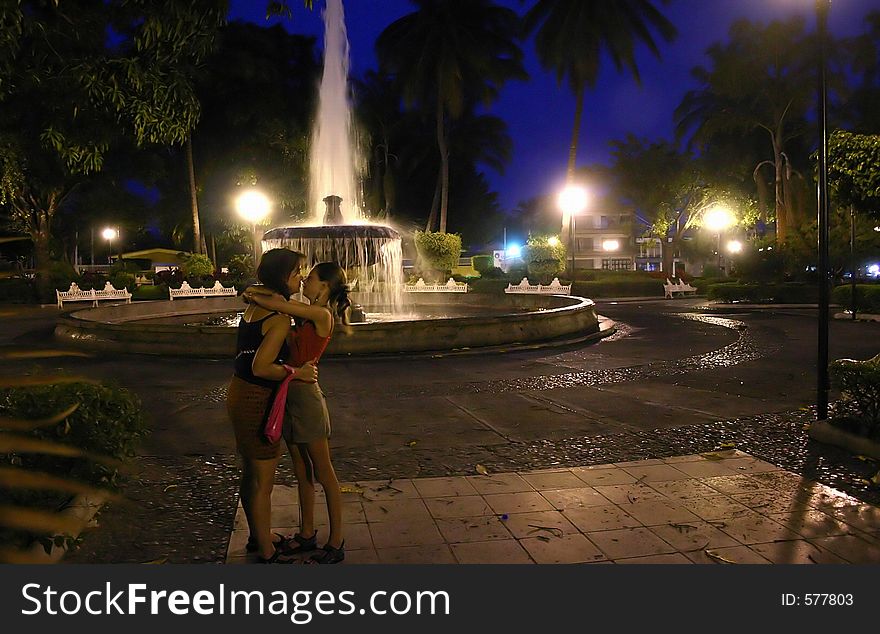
column 297, row 544
column 328, row 555
column 252, row 546
column 277, row 557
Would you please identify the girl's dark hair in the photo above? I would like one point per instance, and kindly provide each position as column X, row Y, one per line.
column 275, row 268
column 336, row 279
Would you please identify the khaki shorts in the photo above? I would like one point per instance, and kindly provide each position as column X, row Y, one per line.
column 306, row 418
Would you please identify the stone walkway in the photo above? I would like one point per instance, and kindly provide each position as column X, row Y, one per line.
column 716, row 507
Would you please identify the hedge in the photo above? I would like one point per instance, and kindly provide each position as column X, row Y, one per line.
column 764, row 293
column 148, row 292
column 859, row 382
column 489, row 286
column 867, row 297
column 644, row 287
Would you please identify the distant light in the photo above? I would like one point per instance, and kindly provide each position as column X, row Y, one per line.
column 718, row 218
column 252, row 206
column 553, row 241
column 573, row 199
column 874, row 270
column 109, row 233
column 876, row 228
column 610, row 245
column 769, row 248
column 513, row 251
column 735, row 246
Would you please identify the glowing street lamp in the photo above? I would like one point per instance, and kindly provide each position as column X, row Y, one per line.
column 717, row 220
column 109, row 234
column 553, row 241
column 572, row 201
column 253, row 207
column 734, row 246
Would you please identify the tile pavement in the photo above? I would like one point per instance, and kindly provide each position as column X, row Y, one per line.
column 715, row 508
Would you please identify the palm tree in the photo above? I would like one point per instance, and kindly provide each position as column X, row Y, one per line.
column 760, row 82
column 446, row 54
column 572, row 34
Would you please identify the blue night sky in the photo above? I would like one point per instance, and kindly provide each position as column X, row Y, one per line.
column 539, row 113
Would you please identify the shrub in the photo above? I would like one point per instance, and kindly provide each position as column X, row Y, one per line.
column 17, row 290
column 867, row 297
column 197, row 265
column 91, row 279
column 58, row 276
column 438, row 251
column 494, row 273
column 543, row 259
column 241, row 268
column 92, row 420
column 859, row 383
column 172, row 278
column 483, row 263
column 702, row 284
column 121, row 280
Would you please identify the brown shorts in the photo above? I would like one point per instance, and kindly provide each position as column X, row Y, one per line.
column 248, row 407
column 306, row 418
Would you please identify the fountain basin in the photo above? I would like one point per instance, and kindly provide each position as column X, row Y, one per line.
column 532, row 319
column 350, row 245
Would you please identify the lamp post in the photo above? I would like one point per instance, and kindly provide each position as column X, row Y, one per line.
column 822, row 385
column 717, row 220
column 109, row 234
column 253, row 207
column 572, row 200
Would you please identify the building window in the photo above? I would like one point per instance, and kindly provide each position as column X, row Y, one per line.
column 584, row 245
column 616, row 264
column 603, row 222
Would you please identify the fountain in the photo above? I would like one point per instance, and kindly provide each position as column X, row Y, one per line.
column 371, row 254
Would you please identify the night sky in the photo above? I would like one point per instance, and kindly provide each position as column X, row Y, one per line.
column 539, row 114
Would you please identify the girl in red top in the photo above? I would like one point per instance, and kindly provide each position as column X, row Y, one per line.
column 307, row 423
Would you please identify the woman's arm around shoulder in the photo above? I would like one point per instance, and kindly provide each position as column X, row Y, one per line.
column 277, row 303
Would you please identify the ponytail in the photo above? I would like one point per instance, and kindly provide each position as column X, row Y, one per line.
column 340, row 303
column 338, row 300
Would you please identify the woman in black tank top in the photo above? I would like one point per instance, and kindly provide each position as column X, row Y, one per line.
column 259, row 367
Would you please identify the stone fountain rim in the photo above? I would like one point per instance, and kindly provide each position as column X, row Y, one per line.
column 332, row 231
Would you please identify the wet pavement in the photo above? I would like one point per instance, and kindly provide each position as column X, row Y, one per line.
column 673, row 381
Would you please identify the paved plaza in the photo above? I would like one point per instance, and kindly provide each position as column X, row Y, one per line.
column 720, row 507
column 657, row 408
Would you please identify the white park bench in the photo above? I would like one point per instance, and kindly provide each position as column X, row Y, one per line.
column 185, row 290
column 553, row 288
column 669, row 289
column 76, row 294
column 450, row 287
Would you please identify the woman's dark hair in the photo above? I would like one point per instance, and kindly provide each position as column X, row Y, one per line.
column 336, row 279
column 275, row 268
